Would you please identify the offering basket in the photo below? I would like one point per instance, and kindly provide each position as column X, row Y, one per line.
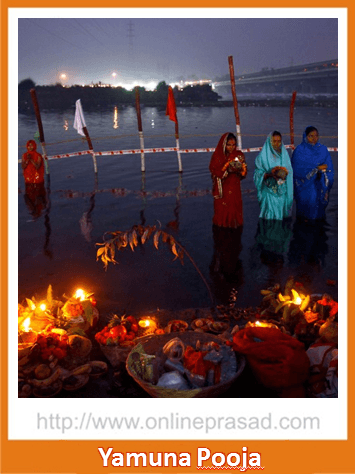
column 153, row 345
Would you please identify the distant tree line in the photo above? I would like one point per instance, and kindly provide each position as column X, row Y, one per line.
column 96, row 96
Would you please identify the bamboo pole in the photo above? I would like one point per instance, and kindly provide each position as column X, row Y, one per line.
column 144, row 201
column 90, row 146
column 177, row 143
column 292, row 107
column 41, row 130
column 140, row 128
column 236, row 107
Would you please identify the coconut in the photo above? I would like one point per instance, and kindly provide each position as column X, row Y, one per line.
column 79, row 346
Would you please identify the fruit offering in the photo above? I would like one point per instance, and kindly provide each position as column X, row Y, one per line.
column 119, row 331
column 52, row 343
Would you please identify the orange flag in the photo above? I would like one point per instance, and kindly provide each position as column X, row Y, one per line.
column 171, row 107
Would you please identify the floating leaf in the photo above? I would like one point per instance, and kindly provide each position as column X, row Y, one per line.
column 156, row 239
column 130, row 240
column 134, row 238
column 100, row 251
column 144, row 236
column 165, row 237
column 174, row 251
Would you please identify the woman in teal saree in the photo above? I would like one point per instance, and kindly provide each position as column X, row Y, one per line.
column 273, row 179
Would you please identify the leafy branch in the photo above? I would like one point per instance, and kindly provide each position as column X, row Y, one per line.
column 139, row 234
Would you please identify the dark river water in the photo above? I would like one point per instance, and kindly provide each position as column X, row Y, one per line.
column 58, row 247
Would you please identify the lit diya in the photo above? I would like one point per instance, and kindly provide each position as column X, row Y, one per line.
column 26, row 335
column 148, row 325
column 261, row 324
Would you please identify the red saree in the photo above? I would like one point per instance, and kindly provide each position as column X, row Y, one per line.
column 227, row 187
column 31, row 173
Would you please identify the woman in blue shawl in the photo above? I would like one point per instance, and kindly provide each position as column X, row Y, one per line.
column 313, row 176
column 273, row 179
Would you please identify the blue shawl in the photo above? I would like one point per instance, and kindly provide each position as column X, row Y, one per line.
column 311, row 185
column 275, row 199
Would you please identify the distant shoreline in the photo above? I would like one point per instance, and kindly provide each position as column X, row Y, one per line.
column 27, row 108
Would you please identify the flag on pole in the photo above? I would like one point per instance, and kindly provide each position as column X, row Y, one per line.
column 79, row 122
column 171, row 107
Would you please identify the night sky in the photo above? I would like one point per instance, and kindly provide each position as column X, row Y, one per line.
column 126, row 50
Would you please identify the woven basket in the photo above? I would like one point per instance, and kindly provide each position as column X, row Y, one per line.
column 154, row 343
column 116, row 354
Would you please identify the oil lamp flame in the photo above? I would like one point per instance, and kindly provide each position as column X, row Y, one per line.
column 297, row 301
column 43, row 307
column 26, row 324
column 144, row 323
column 80, row 294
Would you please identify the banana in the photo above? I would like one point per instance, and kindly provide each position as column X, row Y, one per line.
column 280, row 297
column 24, row 361
column 286, row 314
column 305, row 303
column 43, row 383
column 268, row 297
column 295, row 311
column 84, row 369
column 295, row 294
column 281, row 305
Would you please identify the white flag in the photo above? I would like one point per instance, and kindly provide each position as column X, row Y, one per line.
column 79, row 122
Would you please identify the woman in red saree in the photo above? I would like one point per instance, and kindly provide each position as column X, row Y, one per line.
column 228, row 168
column 32, row 164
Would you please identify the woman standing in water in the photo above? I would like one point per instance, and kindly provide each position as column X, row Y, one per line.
column 32, row 164
column 273, row 179
column 228, row 168
column 313, row 176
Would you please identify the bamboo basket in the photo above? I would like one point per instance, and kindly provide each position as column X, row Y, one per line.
column 116, row 354
column 154, row 343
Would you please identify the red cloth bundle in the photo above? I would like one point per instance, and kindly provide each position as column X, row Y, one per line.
column 278, row 361
column 194, row 362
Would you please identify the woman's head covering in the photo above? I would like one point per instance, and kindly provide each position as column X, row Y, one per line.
column 221, row 146
column 270, row 156
column 31, row 142
column 308, row 130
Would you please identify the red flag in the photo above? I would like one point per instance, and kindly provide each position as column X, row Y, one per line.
column 171, row 107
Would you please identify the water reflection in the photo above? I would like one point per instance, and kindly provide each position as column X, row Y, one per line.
column 35, row 198
column 47, row 250
column 309, row 245
column 65, row 125
column 144, row 201
column 174, row 224
column 226, row 265
column 271, row 244
column 86, row 219
column 115, row 118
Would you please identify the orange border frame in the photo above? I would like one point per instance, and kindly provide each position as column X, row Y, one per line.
column 82, row 456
